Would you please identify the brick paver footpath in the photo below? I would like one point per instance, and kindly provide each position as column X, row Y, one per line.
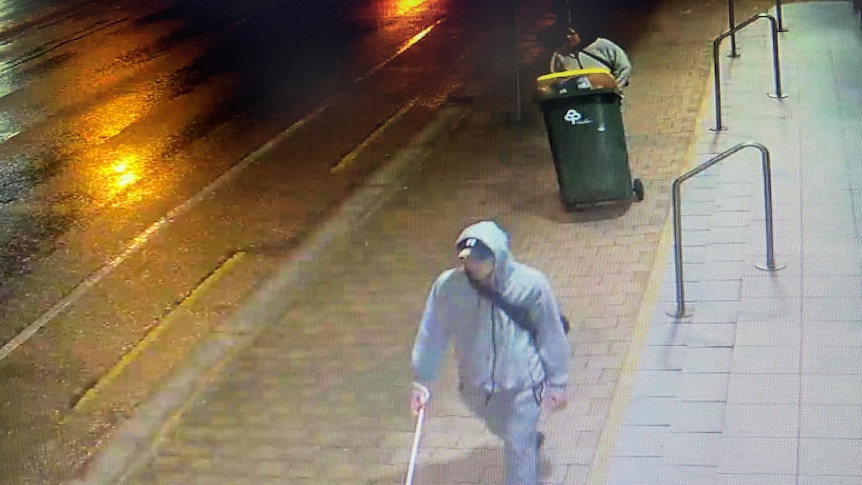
column 317, row 395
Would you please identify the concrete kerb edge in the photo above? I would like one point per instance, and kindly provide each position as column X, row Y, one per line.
column 135, row 440
column 599, row 467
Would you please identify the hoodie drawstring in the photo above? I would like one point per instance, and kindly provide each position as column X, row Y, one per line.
column 493, row 354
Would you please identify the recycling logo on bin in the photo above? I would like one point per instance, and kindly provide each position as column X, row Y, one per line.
column 576, row 118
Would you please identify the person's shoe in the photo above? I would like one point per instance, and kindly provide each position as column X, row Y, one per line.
column 541, row 439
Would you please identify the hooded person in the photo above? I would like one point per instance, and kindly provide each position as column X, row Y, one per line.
column 584, row 50
column 508, row 367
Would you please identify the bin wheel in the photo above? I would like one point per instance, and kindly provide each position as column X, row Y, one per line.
column 638, row 188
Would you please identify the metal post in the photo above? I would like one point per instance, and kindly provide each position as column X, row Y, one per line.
column 767, row 208
column 716, row 67
column 517, row 117
column 778, row 14
column 677, row 249
column 732, row 23
column 776, row 65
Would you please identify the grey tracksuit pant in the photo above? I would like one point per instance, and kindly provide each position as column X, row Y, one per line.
column 513, row 416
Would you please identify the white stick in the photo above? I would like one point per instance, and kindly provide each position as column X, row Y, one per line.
column 415, row 450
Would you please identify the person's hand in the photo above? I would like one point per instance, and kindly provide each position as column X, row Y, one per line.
column 419, row 397
column 555, row 399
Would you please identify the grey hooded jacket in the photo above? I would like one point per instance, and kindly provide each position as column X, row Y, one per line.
column 493, row 352
column 614, row 56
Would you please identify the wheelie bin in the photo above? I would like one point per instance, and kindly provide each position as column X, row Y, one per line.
column 585, row 130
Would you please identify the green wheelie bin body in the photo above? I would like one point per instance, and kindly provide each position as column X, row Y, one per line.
column 587, row 139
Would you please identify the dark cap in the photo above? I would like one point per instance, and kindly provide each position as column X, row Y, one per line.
column 474, row 248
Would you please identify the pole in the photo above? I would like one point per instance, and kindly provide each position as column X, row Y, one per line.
column 717, row 79
column 517, row 62
column 767, row 198
column 731, row 16
column 767, row 209
column 677, row 249
column 778, row 14
column 776, row 64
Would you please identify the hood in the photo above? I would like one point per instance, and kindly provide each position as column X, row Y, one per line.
column 498, row 241
column 588, row 34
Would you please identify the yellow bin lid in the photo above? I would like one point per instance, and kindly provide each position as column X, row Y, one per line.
column 574, row 72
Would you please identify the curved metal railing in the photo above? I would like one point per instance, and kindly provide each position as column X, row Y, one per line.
column 677, row 216
column 776, row 66
column 731, row 20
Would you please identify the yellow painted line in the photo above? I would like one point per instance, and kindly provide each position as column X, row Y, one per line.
column 351, row 157
column 402, row 49
column 156, row 332
column 622, row 394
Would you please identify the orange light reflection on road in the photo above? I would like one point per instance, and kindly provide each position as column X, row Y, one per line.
column 125, row 175
column 114, row 177
column 111, row 118
column 114, row 168
column 401, row 7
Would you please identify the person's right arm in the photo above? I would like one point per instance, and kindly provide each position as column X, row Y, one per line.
column 430, row 345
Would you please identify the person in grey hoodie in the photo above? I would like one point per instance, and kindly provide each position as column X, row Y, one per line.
column 508, row 368
column 583, row 50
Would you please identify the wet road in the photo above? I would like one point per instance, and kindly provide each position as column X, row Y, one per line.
column 131, row 171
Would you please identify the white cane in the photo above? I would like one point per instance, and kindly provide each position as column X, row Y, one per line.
column 417, row 435
column 411, row 467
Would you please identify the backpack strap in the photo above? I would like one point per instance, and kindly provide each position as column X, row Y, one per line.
column 518, row 314
column 603, row 61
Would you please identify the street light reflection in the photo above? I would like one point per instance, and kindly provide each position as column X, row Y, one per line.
column 401, row 7
column 118, row 170
column 126, row 176
column 111, row 118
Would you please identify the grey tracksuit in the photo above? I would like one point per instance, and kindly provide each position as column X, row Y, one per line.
column 502, row 366
column 615, row 57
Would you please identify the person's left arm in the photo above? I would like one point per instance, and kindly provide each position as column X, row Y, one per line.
column 552, row 342
column 621, row 63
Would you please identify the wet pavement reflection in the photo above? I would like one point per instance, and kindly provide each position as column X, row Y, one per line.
column 102, row 75
column 115, row 114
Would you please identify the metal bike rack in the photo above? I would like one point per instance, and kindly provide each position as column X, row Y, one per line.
column 677, row 217
column 776, row 67
column 781, row 27
column 731, row 14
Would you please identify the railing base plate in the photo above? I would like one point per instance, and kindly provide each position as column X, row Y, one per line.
column 673, row 313
column 764, row 267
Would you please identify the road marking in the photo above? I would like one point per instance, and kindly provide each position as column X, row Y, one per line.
column 78, row 36
column 186, row 206
column 156, row 332
column 351, row 157
column 401, row 50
